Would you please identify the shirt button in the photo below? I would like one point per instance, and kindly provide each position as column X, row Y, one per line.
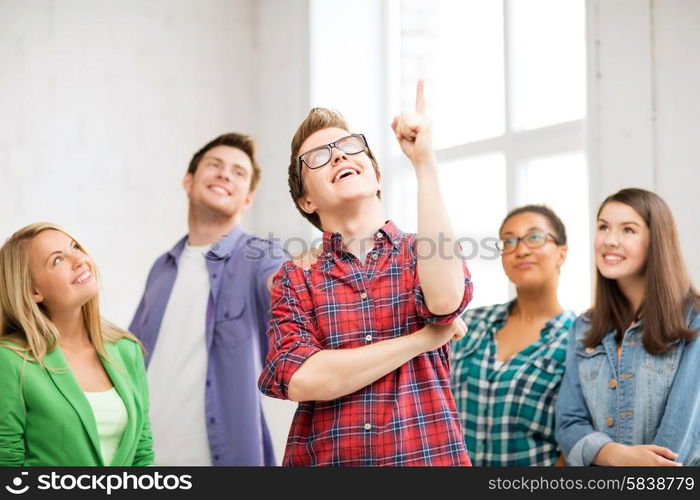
column 368, row 426
column 363, row 295
column 610, row 421
column 216, row 457
column 368, row 338
column 375, row 256
column 589, row 350
column 612, row 383
column 212, row 420
column 213, row 276
column 225, row 315
column 208, row 383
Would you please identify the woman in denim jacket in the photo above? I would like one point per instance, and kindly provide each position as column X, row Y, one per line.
column 630, row 394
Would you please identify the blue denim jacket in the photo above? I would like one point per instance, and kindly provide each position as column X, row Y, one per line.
column 642, row 399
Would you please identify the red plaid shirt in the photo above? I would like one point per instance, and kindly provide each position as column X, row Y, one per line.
column 407, row 417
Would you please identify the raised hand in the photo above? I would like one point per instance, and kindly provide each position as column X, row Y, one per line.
column 414, row 132
column 307, row 258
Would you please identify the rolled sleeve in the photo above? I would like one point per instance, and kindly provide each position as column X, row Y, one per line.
column 291, row 332
column 433, row 319
column 586, row 449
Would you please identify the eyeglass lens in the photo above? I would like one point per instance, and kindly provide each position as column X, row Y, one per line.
column 349, row 145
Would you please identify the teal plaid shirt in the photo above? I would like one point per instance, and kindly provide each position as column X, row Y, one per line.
column 507, row 412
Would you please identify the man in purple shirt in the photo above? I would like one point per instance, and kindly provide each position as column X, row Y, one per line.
column 203, row 319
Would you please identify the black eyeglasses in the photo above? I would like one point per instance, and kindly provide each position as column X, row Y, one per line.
column 318, row 157
column 533, row 239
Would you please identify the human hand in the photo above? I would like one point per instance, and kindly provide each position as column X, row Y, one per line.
column 437, row 336
column 638, row 455
column 307, row 258
column 414, row 132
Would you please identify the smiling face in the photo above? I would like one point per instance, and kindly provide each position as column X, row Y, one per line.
column 345, row 178
column 621, row 242
column 531, row 267
column 221, row 182
column 63, row 275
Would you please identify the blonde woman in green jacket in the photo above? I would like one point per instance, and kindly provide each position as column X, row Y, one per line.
column 73, row 386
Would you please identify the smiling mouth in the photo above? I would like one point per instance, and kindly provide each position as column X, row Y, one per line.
column 344, row 174
column 612, row 259
column 83, row 278
column 219, row 189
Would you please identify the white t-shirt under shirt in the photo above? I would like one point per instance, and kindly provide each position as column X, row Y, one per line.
column 177, row 371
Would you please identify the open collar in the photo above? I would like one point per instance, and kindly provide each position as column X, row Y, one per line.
column 218, row 251
column 333, row 242
column 65, row 381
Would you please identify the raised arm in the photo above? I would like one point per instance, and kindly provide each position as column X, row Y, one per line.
column 440, row 268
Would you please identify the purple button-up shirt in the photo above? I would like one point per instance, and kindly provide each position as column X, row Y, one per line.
column 236, row 323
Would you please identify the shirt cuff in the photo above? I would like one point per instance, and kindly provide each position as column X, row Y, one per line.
column 433, row 319
column 274, row 380
column 586, row 449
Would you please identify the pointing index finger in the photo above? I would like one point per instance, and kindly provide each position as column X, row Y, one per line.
column 420, row 98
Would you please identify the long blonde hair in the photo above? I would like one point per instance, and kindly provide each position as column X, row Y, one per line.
column 25, row 327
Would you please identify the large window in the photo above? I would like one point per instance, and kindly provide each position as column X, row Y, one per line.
column 505, row 86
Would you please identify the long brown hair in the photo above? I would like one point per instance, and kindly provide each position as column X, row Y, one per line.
column 668, row 291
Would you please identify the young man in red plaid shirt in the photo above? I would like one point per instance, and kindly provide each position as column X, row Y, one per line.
column 361, row 338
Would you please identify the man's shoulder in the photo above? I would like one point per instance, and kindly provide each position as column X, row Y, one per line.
column 160, row 260
column 163, row 258
column 260, row 251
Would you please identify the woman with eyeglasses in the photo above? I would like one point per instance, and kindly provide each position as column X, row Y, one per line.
column 630, row 395
column 72, row 386
column 507, row 369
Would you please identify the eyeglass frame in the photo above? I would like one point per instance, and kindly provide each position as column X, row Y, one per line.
column 524, row 240
column 329, row 147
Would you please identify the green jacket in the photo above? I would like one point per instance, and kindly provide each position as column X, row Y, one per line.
column 46, row 420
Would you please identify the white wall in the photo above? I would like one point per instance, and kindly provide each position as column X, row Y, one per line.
column 102, row 104
column 281, row 100
column 644, row 62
